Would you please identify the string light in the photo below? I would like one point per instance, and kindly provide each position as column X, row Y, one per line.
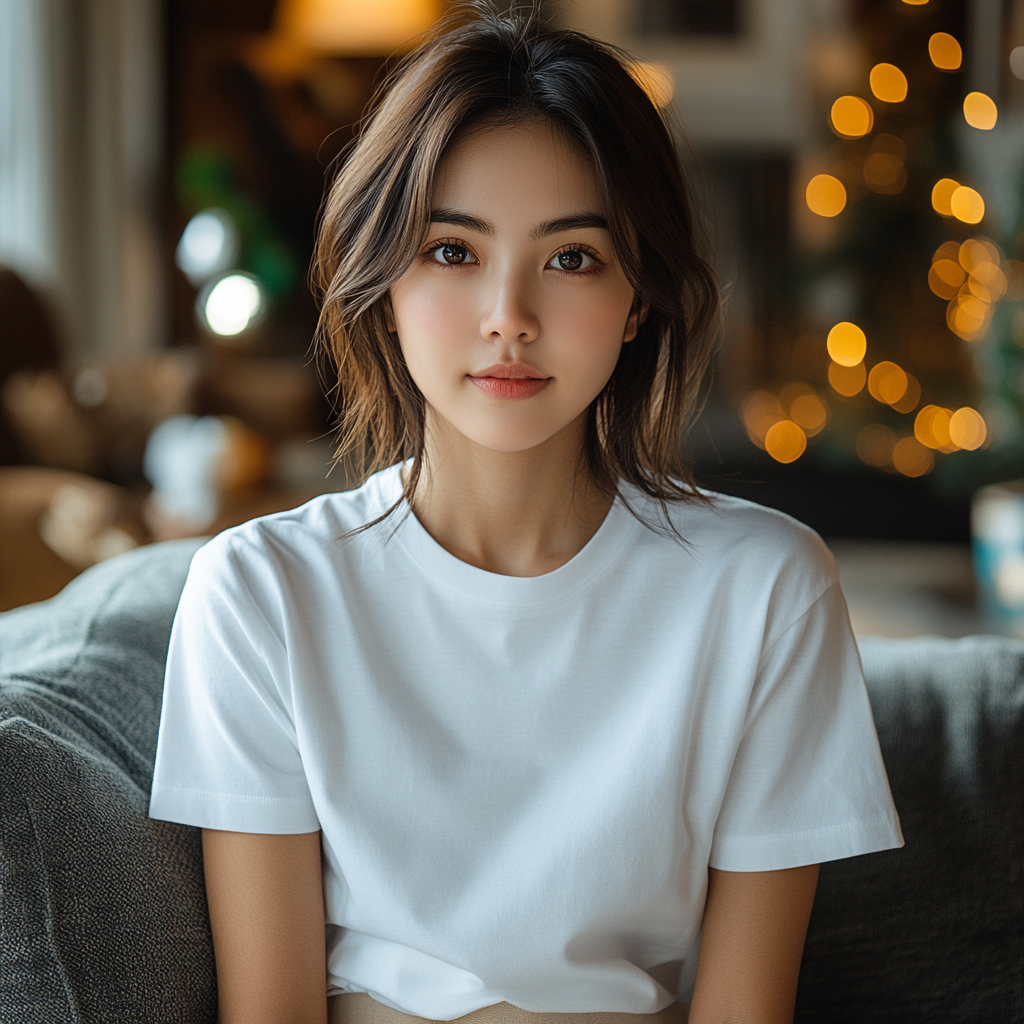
column 967, row 205
column 980, row 111
column 852, row 117
column 945, row 51
column 888, row 83
column 785, row 441
column 942, row 193
column 847, row 380
column 847, row 344
column 825, row 195
column 911, row 458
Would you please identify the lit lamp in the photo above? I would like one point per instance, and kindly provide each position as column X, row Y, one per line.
column 370, row 27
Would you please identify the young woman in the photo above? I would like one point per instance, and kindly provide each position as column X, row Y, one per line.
column 526, row 724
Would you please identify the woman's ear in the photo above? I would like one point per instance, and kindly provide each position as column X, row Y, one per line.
column 637, row 315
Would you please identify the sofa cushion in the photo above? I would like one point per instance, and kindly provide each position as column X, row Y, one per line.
column 102, row 911
column 933, row 932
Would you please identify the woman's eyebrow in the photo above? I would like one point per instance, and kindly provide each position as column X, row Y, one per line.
column 549, row 227
column 462, row 220
column 570, row 223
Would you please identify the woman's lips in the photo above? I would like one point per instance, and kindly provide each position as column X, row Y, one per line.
column 510, row 380
column 510, row 387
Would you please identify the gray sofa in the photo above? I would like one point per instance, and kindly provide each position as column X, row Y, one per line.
column 102, row 915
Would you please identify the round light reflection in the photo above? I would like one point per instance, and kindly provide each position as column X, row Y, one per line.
column 208, row 245
column 232, row 304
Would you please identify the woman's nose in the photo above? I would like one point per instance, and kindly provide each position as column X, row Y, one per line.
column 509, row 313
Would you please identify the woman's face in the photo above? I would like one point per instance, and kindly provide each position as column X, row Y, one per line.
column 512, row 316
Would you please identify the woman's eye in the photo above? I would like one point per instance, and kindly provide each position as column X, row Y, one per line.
column 572, row 259
column 452, row 255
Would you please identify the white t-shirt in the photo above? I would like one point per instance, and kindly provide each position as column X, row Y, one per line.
column 521, row 782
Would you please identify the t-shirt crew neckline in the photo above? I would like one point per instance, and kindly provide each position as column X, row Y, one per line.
column 494, row 589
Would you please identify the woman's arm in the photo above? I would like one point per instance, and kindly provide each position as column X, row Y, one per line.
column 267, row 916
column 752, row 941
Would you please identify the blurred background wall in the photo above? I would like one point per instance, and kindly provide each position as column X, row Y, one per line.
column 860, row 162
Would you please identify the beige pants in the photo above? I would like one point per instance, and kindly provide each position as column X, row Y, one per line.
column 359, row 1008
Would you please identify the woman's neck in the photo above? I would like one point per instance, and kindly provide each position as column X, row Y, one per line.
column 514, row 513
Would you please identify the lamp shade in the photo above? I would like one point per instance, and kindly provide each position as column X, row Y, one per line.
column 356, row 26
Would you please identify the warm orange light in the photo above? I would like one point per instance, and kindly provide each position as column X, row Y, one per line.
column 874, row 445
column 908, row 403
column 887, row 382
column 967, row 316
column 785, row 441
column 826, row 195
column 975, row 252
column 852, row 117
column 945, row 278
column 942, row 193
column 915, row 3
column 931, row 427
column 656, row 80
column 761, row 411
column 911, row 458
column 967, row 205
column 883, row 172
column 847, row 344
column 967, row 429
column 888, row 83
column 847, row 380
column 356, row 26
column 980, row 111
column 945, row 51
column 947, row 251
column 809, row 412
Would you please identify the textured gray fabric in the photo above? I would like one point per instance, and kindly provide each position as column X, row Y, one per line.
column 102, row 911
column 933, row 932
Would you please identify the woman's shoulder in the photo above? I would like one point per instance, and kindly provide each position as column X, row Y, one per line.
column 741, row 545
column 282, row 539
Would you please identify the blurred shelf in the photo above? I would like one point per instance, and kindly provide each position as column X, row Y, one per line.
column 902, row 589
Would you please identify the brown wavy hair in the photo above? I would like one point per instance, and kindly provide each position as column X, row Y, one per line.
column 503, row 70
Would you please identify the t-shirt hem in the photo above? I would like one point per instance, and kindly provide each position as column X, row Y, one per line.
column 233, row 813
column 814, row 846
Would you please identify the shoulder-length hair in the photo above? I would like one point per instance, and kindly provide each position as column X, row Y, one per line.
column 504, row 70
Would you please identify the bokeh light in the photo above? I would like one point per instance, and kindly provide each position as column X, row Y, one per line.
column 208, row 245
column 761, row 411
column 231, row 305
column 945, row 278
column 874, row 445
column 656, row 80
column 915, row 3
column 908, row 403
column 884, row 173
column 945, row 51
column 852, row 117
column 967, row 205
column 887, row 382
column 980, row 111
column 942, row 193
column 911, row 458
column 847, row 380
column 826, row 195
column 888, row 83
column 847, row 344
column 810, row 413
column 967, row 429
column 785, row 441
column 967, row 316
column 1017, row 61
column 931, row 428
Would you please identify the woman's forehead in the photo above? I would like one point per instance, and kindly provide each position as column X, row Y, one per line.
column 530, row 165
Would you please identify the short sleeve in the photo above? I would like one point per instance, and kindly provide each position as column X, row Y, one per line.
column 808, row 783
column 227, row 756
